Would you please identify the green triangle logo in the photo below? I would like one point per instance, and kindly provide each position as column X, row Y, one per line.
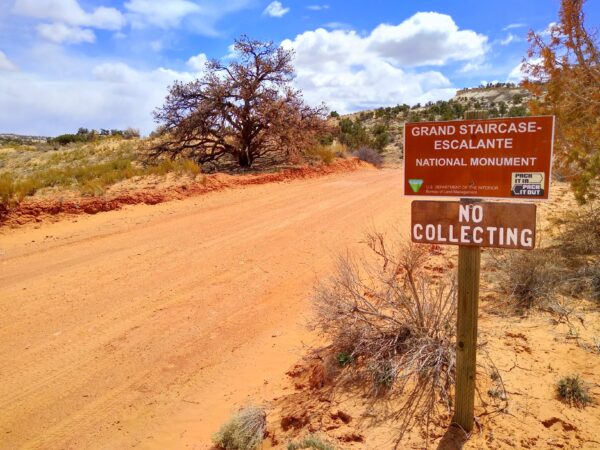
column 415, row 185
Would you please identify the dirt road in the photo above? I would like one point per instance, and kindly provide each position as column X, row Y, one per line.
column 147, row 327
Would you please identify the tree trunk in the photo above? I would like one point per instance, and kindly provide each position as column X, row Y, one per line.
column 244, row 159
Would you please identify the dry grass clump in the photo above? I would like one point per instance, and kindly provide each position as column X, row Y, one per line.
column 244, row 431
column 581, row 232
column 326, row 153
column 311, row 442
column 391, row 326
column 574, row 391
column 72, row 170
column 550, row 278
column 529, row 278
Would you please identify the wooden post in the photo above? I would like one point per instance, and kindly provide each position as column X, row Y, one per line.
column 469, row 263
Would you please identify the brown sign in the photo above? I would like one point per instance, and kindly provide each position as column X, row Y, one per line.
column 496, row 158
column 499, row 225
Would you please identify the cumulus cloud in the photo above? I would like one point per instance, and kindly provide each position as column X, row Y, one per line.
column 517, row 75
column 276, row 9
column 350, row 71
column 5, row 63
column 197, row 62
column 69, row 12
column 427, row 38
column 43, row 105
column 60, row 33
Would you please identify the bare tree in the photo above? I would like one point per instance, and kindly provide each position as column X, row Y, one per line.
column 246, row 109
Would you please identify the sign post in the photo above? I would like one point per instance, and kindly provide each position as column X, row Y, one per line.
column 467, row 313
column 475, row 159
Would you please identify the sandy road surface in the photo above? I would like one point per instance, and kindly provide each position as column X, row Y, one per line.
column 146, row 327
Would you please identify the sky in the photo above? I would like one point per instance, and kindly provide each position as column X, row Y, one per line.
column 66, row 64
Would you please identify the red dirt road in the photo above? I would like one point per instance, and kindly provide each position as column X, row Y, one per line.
column 147, row 327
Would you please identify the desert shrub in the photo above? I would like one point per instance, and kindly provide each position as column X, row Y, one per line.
column 344, row 358
column 311, row 442
column 595, row 282
column 529, row 278
column 65, row 139
column 339, row 150
column 70, row 170
column 180, row 166
column 320, row 152
column 396, row 324
column 381, row 136
column 574, row 391
column 6, row 188
column 244, row 431
column 369, row 155
column 581, row 231
column 131, row 133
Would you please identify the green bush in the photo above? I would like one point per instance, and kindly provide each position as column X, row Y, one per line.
column 65, row 139
column 574, row 391
column 344, row 359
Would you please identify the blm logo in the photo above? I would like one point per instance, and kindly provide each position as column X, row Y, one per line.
column 528, row 184
column 415, row 185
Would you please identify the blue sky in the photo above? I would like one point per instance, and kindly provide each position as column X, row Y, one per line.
column 107, row 63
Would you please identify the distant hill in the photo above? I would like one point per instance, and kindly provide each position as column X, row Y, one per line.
column 10, row 138
column 382, row 128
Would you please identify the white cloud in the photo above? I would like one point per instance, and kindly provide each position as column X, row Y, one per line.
column 69, row 12
column 160, row 13
column 548, row 30
column 60, row 33
column 197, row 62
column 338, row 26
column 514, row 25
column 86, row 97
column 516, row 75
column 508, row 39
column 475, row 66
column 5, row 63
column 317, row 7
column 115, row 73
column 427, row 38
column 276, row 9
column 350, row 71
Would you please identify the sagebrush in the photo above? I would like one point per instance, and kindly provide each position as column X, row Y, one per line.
column 311, row 442
column 392, row 326
column 244, row 431
column 369, row 155
column 574, row 391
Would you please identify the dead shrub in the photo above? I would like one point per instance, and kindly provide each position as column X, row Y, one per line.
column 369, row 155
column 244, row 431
column 393, row 324
column 581, row 232
column 595, row 281
column 529, row 278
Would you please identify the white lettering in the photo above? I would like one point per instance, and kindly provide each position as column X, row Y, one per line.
column 418, row 232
